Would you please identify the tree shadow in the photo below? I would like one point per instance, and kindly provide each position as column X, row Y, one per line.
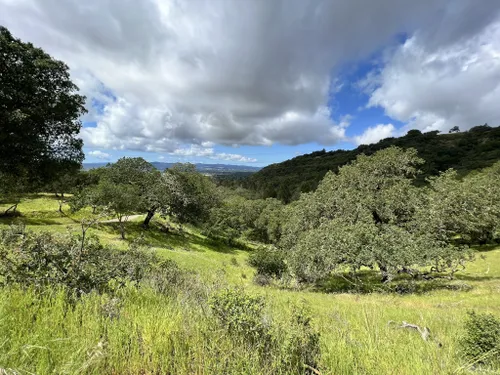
column 30, row 196
column 157, row 236
column 369, row 281
column 486, row 248
column 8, row 220
column 476, row 277
column 211, row 244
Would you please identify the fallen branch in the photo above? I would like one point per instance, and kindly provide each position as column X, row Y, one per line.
column 312, row 369
column 425, row 332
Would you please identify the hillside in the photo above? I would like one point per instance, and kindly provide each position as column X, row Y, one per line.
column 465, row 151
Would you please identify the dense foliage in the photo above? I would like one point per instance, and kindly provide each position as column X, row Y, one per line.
column 81, row 265
column 39, row 114
column 481, row 341
column 465, row 151
column 133, row 185
column 237, row 216
column 372, row 215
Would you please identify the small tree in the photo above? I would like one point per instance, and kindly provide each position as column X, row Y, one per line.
column 454, row 129
column 65, row 183
column 196, row 196
column 121, row 199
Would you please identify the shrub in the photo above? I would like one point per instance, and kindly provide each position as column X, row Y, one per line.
column 481, row 341
column 281, row 344
column 241, row 314
column 262, row 280
column 166, row 277
column 300, row 345
column 269, row 261
column 45, row 259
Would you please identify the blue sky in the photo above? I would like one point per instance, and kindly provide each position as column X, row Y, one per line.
column 258, row 82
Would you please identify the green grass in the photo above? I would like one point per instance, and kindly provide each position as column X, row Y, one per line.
column 162, row 334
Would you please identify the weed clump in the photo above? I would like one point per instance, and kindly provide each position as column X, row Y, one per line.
column 481, row 342
column 282, row 344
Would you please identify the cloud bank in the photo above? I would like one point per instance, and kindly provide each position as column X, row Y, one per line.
column 182, row 76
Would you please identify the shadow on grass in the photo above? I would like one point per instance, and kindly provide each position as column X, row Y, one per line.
column 156, row 236
column 30, row 221
column 369, row 282
column 486, row 248
column 476, row 277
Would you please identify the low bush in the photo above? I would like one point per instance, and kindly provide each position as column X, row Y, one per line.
column 268, row 261
column 241, row 314
column 299, row 341
column 481, row 341
column 30, row 259
column 292, row 345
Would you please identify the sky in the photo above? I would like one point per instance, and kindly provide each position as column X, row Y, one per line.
column 261, row 81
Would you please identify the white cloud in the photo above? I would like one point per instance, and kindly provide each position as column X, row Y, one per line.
column 375, row 134
column 206, row 72
column 100, row 155
column 210, row 153
column 233, row 157
column 436, row 87
column 227, row 72
column 194, row 150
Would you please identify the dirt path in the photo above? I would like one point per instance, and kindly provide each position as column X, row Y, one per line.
column 131, row 217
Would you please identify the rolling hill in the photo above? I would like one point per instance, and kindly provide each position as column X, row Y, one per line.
column 464, row 151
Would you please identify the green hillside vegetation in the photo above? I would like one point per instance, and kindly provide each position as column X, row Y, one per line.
column 465, row 151
column 127, row 269
column 154, row 329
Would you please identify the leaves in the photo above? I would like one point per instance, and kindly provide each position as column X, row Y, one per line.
column 39, row 111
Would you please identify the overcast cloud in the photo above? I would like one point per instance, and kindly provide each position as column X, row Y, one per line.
column 180, row 76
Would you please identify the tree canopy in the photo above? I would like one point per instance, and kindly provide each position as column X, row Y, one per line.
column 39, row 113
column 371, row 215
column 463, row 151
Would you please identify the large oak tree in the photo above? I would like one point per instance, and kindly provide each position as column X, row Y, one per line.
column 39, row 113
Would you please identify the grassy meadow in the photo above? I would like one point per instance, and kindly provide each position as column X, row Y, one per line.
column 143, row 332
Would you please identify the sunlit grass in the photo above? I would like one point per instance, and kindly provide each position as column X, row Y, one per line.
column 158, row 332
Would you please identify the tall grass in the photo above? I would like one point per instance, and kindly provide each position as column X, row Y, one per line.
column 137, row 332
column 140, row 331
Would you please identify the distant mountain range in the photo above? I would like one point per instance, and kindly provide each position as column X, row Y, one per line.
column 202, row 168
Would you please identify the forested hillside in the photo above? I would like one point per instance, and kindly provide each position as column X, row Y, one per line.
column 465, row 151
column 135, row 268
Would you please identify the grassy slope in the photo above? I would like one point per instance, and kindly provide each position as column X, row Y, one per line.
column 355, row 335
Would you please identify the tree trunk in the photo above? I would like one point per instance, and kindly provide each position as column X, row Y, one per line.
column 386, row 276
column 122, row 227
column 13, row 208
column 60, row 206
column 148, row 218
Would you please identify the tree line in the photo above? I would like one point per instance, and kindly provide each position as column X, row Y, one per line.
column 393, row 207
column 465, row 152
column 371, row 215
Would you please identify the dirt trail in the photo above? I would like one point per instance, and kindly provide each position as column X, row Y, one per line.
column 131, row 217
